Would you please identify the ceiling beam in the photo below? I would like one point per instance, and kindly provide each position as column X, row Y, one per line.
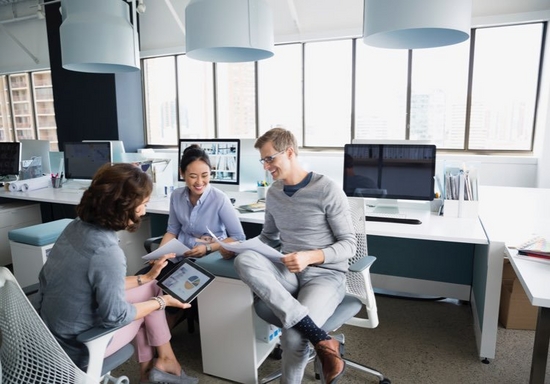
column 175, row 16
column 294, row 15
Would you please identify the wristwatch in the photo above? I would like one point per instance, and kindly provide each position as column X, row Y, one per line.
column 208, row 249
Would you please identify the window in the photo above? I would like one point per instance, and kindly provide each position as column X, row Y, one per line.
column 160, row 100
column 380, row 93
column 327, row 93
column 6, row 127
column 44, row 109
column 280, row 90
column 27, row 108
column 236, row 100
column 479, row 95
column 504, row 87
column 439, row 91
column 196, row 98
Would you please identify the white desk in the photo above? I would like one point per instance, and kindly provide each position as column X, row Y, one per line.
column 510, row 216
column 484, row 292
column 534, row 277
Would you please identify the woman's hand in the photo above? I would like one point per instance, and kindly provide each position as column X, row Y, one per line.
column 172, row 302
column 158, row 265
column 198, row 251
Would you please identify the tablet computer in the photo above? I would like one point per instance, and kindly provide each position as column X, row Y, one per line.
column 185, row 281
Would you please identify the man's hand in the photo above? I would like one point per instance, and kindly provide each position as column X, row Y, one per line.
column 298, row 261
column 226, row 254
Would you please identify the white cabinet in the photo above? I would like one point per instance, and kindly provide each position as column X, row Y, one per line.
column 230, row 348
column 13, row 216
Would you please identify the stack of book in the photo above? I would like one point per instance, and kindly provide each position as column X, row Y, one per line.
column 537, row 247
column 259, row 206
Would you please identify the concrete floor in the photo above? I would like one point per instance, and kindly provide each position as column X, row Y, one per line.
column 417, row 341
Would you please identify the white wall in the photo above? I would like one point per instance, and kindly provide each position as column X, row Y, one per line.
column 492, row 170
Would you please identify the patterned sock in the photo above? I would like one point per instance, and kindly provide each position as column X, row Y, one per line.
column 311, row 331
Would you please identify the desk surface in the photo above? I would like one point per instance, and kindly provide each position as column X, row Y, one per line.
column 534, row 276
column 433, row 227
column 513, row 215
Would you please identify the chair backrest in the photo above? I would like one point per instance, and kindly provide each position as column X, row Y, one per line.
column 359, row 284
column 29, row 353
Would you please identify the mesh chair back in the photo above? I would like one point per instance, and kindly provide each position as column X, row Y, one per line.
column 359, row 284
column 29, row 353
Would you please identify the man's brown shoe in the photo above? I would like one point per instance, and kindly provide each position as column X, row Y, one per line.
column 333, row 366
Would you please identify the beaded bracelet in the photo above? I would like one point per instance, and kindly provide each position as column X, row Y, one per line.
column 160, row 300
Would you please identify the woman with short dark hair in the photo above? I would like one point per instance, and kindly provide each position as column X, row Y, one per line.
column 83, row 283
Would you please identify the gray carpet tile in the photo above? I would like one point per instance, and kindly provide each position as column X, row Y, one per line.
column 417, row 341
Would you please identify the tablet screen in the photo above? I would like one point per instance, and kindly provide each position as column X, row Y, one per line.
column 185, row 281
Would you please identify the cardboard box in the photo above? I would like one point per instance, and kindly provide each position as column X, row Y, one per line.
column 516, row 311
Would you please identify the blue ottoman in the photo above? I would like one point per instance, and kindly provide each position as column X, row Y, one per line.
column 30, row 247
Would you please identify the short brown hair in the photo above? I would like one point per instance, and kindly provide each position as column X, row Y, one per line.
column 114, row 195
column 280, row 138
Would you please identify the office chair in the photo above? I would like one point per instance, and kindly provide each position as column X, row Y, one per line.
column 359, row 293
column 30, row 354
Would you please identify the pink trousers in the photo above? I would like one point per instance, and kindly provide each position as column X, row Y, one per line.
column 146, row 333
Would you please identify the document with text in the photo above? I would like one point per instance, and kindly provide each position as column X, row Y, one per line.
column 254, row 244
column 173, row 246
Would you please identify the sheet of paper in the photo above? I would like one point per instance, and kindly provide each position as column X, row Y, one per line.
column 173, row 246
column 254, row 244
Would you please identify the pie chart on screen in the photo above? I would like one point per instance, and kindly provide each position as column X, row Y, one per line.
column 192, row 282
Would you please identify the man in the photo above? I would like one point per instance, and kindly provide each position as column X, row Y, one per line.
column 308, row 216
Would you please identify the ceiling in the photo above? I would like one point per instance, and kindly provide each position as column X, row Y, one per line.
column 162, row 25
column 306, row 16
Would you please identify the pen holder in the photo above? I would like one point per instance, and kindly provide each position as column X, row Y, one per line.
column 262, row 192
column 56, row 182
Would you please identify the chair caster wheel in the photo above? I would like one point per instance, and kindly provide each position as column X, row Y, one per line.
column 385, row 381
column 277, row 353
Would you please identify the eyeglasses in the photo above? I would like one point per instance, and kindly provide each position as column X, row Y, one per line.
column 269, row 159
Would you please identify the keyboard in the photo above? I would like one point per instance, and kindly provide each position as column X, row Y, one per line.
column 392, row 219
column 387, row 214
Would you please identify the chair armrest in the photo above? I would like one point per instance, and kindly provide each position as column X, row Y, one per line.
column 96, row 340
column 148, row 243
column 362, row 264
column 96, row 332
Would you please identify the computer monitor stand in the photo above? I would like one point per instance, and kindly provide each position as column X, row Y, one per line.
column 385, row 206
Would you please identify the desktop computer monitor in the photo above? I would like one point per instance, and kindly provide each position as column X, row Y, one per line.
column 224, row 157
column 117, row 149
column 83, row 159
column 390, row 171
column 37, row 148
column 10, row 159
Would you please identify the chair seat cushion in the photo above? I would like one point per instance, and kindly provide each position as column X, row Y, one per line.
column 348, row 308
column 217, row 265
column 39, row 234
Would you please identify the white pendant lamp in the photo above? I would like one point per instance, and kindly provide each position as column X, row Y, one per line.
column 228, row 30
column 414, row 24
column 98, row 37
